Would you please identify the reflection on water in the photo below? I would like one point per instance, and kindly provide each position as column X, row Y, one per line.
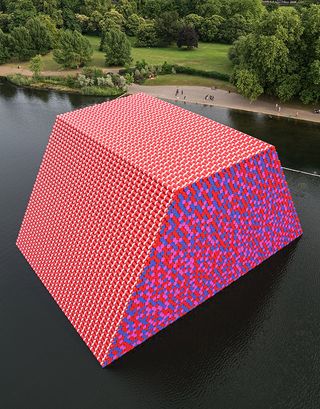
column 254, row 345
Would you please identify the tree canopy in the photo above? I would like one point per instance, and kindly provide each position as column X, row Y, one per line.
column 281, row 57
column 117, row 48
column 188, row 37
column 73, row 50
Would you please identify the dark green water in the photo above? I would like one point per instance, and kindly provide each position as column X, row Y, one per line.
column 254, row 345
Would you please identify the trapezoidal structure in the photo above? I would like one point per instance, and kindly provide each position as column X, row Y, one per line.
column 142, row 210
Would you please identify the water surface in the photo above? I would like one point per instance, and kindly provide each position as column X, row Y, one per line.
column 254, row 345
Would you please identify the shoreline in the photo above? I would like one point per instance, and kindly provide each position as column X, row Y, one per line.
column 195, row 95
column 273, row 115
column 63, row 89
column 225, row 99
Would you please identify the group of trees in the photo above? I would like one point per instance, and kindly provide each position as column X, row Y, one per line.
column 276, row 50
column 31, row 27
column 281, row 57
column 25, row 41
column 162, row 21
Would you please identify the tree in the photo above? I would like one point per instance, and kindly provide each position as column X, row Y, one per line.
column 147, row 35
column 91, row 6
column 267, row 56
column 111, row 20
column 272, row 6
column 233, row 28
column 245, row 8
column 281, row 55
column 126, row 7
column 83, row 22
column 5, row 47
column 73, row 50
column 167, row 27
column 185, row 7
column 247, row 83
column 210, row 27
column 22, row 44
column 36, row 65
column 132, row 24
column 4, row 21
column 289, row 87
column 187, row 37
column 117, row 48
column 155, row 8
column 209, row 8
column 70, row 21
column 51, row 28
column 40, row 35
column 284, row 23
column 20, row 11
column 193, row 20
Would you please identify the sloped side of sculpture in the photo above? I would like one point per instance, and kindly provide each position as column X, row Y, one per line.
column 216, row 230
column 142, row 210
column 88, row 229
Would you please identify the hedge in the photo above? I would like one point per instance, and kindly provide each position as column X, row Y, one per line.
column 180, row 69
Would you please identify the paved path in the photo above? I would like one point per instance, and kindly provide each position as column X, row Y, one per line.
column 193, row 94
column 225, row 99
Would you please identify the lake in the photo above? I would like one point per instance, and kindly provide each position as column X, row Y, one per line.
column 254, row 345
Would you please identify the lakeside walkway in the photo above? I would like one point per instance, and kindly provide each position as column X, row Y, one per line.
column 225, row 99
column 194, row 94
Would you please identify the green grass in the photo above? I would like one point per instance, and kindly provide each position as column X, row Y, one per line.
column 98, row 57
column 185, row 79
column 208, row 57
column 48, row 63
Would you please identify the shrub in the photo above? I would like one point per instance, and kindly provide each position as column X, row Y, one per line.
column 105, row 81
column 84, row 81
column 92, row 72
column 104, row 92
column 20, row 80
column 180, row 69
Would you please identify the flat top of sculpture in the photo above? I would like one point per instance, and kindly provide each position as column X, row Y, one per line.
column 172, row 145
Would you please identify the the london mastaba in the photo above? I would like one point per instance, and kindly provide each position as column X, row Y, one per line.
column 142, row 210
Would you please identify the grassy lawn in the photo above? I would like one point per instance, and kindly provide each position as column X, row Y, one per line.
column 184, row 79
column 48, row 63
column 208, row 57
column 98, row 57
